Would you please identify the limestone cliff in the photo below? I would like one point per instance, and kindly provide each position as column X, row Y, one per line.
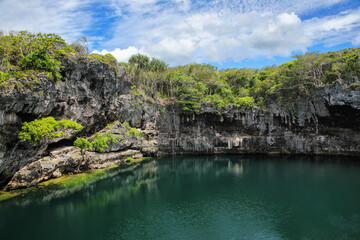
column 91, row 93
column 94, row 94
column 328, row 122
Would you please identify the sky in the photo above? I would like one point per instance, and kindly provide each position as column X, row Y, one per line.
column 224, row 33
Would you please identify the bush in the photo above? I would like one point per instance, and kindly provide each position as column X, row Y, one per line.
column 99, row 142
column 107, row 58
column 38, row 52
column 245, row 102
column 83, row 144
column 36, row 130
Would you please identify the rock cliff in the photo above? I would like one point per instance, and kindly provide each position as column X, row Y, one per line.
column 325, row 123
column 94, row 94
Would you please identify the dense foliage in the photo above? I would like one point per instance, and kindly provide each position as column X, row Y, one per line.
column 38, row 129
column 142, row 62
column 195, row 84
column 25, row 55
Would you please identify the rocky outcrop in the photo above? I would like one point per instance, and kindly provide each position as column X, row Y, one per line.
column 91, row 93
column 66, row 160
column 87, row 94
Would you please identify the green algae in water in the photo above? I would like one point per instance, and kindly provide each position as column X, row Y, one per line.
column 5, row 195
column 75, row 181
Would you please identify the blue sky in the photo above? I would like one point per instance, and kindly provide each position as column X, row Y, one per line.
column 225, row 33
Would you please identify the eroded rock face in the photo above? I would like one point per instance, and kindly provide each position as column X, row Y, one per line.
column 326, row 123
column 89, row 94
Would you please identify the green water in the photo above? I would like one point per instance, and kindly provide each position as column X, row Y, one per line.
column 223, row 197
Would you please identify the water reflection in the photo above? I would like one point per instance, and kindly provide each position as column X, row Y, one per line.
column 222, row 197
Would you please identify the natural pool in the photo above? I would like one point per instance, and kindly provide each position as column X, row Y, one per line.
column 208, row 197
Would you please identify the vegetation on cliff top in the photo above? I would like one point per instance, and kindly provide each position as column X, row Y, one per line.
column 194, row 84
column 25, row 56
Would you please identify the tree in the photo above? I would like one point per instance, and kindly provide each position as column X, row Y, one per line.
column 81, row 46
column 157, row 65
column 99, row 142
column 84, row 146
column 140, row 60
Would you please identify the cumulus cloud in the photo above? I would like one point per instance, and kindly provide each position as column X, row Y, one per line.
column 122, row 55
column 223, row 30
column 217, row 37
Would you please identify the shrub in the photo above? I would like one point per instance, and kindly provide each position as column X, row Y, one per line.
column 129, row 160
column 83, row 144
column 245, row 102
column 99, row 142
column 38, row 52
column 36, row 130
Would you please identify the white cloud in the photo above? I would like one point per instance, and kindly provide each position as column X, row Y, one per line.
column 335, row 29
column 122, row 55
column 62, row 17
column 183, row 31
column 239, row 6
column 217, row 37
column 221, row 30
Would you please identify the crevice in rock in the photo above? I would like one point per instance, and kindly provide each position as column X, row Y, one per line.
column 59, row 144
column 26, row 117
column 343, row 116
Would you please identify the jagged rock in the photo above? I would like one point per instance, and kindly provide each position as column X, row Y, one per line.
column 66, row 160
column 88, row 94
column 326, row 123
column 150, row 148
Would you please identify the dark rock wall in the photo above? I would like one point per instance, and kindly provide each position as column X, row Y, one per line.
column 89, row 94
column 326, row 123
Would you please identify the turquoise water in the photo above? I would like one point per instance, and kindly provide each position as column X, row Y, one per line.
column 223, row 197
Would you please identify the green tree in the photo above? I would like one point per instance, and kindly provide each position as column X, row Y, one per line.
column 99, row 142
column 84, row 146
column 157, row 65
column 140, row 60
